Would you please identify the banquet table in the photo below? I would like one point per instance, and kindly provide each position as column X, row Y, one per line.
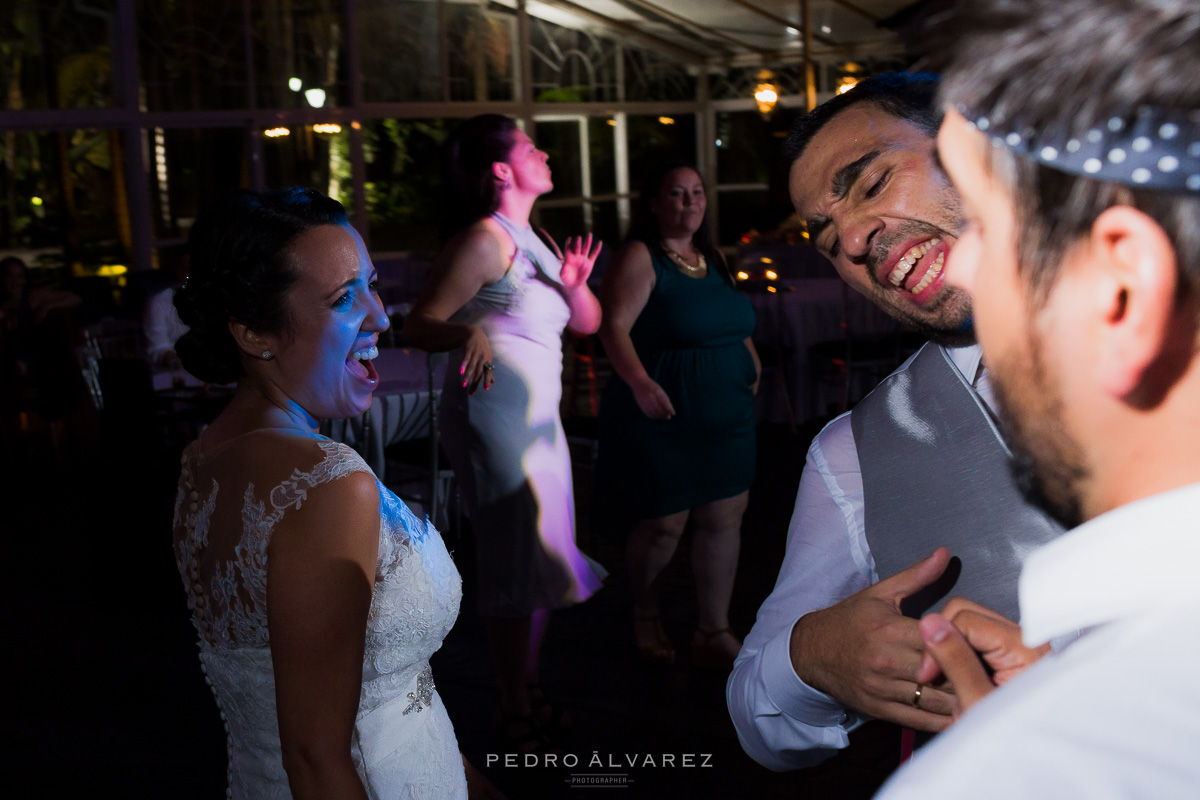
column 410, row 382
column 799, row 314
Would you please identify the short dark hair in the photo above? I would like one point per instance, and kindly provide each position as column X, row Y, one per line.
column 643, row 226
column 240, row 270
column 907, row 95
column 467, row 158
column 1066, row 65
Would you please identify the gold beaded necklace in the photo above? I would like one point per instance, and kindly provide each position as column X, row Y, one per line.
column 701, row 263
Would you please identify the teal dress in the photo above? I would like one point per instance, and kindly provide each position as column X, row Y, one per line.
column 690, row 337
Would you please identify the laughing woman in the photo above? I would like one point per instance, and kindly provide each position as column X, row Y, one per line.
column 318, row 596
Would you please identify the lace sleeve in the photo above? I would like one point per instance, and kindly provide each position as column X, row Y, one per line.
column 339, row 460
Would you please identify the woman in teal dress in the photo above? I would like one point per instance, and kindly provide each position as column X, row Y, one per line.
column 677, row 437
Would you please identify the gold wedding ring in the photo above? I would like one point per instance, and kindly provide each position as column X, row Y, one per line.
column 916, row 701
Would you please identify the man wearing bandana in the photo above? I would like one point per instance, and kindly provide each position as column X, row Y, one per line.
column 915, row 476
column 1073, row 133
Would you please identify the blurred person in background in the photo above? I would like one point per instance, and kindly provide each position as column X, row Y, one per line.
column 499, row 299
column 677, row 430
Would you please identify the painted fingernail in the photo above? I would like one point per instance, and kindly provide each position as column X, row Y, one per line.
column 935, row 628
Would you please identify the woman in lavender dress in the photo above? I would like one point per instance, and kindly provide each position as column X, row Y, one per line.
column 499, row 300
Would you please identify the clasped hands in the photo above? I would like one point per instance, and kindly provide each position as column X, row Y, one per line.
column 869, row 657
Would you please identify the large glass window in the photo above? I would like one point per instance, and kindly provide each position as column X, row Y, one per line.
column 481, row 44
column 404, row 182
column 56, row 56
column 749, row 146
column 192, row 54
column 572, row 66
column 65, row 191
column 190, row 167
column 32, row 187
column 655, row 138
column 401, row 58
column 583, row 157
column 312, row 156
column 299, row 53
column 652, row 76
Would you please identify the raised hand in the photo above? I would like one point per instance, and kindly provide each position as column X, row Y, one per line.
column 578, row 261
column 965, row 642
column 866, row 655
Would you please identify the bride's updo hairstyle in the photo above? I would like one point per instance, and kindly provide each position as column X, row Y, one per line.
column 471, row 191
column 240, row 271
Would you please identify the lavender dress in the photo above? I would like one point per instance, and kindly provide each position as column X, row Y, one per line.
column 507, row 445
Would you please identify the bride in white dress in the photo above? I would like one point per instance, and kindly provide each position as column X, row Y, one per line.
column 318, row 595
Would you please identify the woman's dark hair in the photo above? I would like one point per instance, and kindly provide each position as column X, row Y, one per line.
column 643, row 227
column 470, row 190
column 240, row 271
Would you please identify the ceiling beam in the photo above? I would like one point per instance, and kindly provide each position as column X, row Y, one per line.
column 781, row 21
column 857, row 10
column 680, row 52
column 685, row 25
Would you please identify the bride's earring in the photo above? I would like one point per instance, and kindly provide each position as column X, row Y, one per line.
column 267, row 355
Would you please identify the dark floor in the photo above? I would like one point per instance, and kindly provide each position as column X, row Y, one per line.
column 105, row 692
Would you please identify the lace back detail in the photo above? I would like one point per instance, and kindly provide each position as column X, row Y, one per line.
column 231, row 611
column 404, row 743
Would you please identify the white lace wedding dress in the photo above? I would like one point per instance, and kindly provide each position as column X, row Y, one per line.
column 403, row 742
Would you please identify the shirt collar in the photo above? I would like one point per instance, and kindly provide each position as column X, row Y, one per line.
column 966, row 360
column 1136, row 558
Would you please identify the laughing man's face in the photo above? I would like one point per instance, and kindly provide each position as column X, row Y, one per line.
column 881, row 209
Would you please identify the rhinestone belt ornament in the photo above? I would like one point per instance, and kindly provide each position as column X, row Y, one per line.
column 1158, row 148
column 423, row 693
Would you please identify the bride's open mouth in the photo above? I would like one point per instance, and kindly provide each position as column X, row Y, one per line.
column 359, row 364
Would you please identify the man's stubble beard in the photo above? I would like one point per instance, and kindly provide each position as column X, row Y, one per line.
column 947, row 320
column 1047, row 465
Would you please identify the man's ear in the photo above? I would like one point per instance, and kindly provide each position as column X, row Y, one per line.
column 1138, row 282
column 249, row 342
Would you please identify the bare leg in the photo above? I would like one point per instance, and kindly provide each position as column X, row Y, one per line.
column 718, row 537
column 652, row 544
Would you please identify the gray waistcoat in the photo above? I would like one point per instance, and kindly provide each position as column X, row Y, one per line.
column 935, row 472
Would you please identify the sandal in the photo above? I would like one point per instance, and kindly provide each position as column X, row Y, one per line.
column 554, row 720
column 657, row 651
column 706, row 656
column 520, row 733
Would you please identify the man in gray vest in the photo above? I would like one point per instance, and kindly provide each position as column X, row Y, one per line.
column 908, row 498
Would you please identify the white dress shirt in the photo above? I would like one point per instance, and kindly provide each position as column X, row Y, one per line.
column 162, row 325
column 1117, row 713
column 782, row 722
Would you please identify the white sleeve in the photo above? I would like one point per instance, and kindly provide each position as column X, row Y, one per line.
column 156, row 323
column 782, row 722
